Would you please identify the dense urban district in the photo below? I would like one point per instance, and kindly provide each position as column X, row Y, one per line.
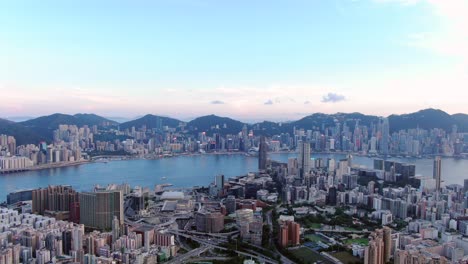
column 303, row 211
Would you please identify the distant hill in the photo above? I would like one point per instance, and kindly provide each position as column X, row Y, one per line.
column 53, row 121
column 215, row 124
column 151, row 121
column 37, row 129
column 92, row 119
column 22, row 134
column 461, row 121
column 425, row 119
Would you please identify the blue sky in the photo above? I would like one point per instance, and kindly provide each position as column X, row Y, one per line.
column 276, row 60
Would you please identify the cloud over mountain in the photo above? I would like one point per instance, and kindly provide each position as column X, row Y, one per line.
column 333, row 98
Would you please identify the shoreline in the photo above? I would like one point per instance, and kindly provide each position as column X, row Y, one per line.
column 109, row 158
column 46, row 166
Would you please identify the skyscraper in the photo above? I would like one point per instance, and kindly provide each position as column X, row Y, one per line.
column 97, row 209
column 262, row 154
column 304, row 158
column 385, row 136
column 437, row 173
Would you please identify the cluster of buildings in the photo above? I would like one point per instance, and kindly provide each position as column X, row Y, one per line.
column 71, row 143
column 59, row 225
column 435, row 213
column 32, row 238
column 63, row 150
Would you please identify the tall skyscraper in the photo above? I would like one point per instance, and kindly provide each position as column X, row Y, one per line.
column 304, row 158
column 262, row 154
column 385, row 137
column 465, row 186
column 97, row 209
column 437, row 173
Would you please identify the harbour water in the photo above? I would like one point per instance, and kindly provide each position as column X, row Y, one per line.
column 186, row 171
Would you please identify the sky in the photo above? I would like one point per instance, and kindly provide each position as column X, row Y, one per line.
column 250, row 60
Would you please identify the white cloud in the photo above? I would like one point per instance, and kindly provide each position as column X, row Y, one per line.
column 450, row 35
column 333, row 98
column 403, row 2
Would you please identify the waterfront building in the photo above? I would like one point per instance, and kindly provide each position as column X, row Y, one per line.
column 54, row 199
column 98, row 209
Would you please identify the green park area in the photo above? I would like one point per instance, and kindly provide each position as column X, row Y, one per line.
column 360, row 241
column 306, row 255
column 313, row 238
column 314, row 225
column 346, row 257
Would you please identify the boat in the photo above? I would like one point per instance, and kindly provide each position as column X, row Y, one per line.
column 163, row 178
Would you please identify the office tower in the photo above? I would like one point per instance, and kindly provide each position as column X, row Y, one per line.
column 292, row 166
column 262, row 154
column 384, row 147
column 331, row 198
column 465, row 186
column 379, row 164
column 230, row 203
column 304, row 159
column 209, row 222
column 67, row 242
column 437, row 174
column 97, row 209
column 220, row 181
column 350, row 180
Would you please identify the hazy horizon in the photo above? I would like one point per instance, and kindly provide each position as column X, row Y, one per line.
column 123, row 119
column 262, row 60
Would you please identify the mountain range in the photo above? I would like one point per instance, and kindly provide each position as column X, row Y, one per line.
column 38, row 129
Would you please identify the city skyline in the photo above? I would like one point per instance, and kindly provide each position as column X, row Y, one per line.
column 192, row 58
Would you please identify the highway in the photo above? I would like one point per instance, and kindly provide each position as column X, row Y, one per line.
column 193, row 253
column 214, row 244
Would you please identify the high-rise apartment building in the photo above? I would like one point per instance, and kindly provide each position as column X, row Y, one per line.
column 380, row 246
column 98, row 209
column 289, row 234
column 53, row 198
